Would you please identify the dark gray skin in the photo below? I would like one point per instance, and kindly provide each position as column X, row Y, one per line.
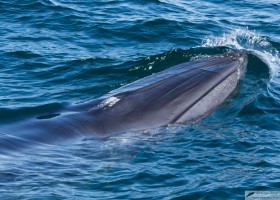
column 182, row 93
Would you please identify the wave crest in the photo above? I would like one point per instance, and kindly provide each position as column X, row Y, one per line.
column 244, row 39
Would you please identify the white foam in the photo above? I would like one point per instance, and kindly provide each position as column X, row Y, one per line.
column 244, row 39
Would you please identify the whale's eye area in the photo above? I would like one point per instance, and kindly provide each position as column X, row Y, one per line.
column 49, row 116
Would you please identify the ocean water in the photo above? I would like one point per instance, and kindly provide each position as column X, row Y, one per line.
column 57, row 51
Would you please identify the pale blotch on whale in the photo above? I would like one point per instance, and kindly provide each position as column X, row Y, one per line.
column 110, row 101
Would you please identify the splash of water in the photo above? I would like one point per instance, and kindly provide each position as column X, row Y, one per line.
column 244, row 39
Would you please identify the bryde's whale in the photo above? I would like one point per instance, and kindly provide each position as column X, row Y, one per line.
column 182, row 93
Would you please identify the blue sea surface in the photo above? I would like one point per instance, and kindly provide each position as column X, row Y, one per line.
column 58, row 51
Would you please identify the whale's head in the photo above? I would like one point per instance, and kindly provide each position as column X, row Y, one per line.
column 208, row 82
column 182, row 93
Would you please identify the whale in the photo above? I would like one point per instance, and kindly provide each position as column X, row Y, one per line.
column 180, row 94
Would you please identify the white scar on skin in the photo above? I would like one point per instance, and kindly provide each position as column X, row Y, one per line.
column 110, row 101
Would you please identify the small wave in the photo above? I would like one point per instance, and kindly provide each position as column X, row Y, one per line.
column 23, row 54
column 244, row 39
column 59, row 4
